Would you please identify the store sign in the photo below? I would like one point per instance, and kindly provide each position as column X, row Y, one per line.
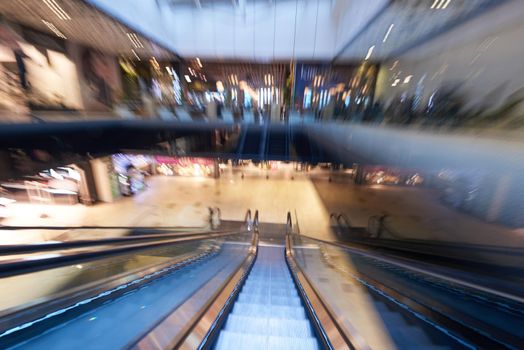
column 121, row 162
column 185, row 166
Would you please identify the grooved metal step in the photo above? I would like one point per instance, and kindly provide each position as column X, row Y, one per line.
column 268, row 313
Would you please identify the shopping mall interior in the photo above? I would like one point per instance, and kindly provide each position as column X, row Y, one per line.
column 261, row 174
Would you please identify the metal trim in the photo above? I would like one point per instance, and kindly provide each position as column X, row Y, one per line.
column 32, row 248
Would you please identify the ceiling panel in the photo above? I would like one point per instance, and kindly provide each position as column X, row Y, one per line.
column 82, row 23
column 405, row 24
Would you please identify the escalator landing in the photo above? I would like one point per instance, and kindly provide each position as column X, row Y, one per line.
column 272, row 234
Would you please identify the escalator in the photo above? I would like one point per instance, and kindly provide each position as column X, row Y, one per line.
column 268, row 313
column 277, row 144
column 260, row 286
column 228, row 288
column 74, row 294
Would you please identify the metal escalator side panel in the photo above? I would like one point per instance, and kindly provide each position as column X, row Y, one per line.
column 332, row 335
column 23, row 324
column 190, row 325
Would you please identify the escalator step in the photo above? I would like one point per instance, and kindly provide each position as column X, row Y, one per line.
column 237, row 340
column 291, row 292
column 260, row 310
column 268, row 284
column 271, row 299
column 280, row 327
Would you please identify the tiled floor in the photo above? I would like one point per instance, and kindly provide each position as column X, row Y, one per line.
column 178, row 201
column 413, row 213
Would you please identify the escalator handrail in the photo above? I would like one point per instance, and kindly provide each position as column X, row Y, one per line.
column 289, row 223
column 198, row 330
column 438, row 275
column 423, row 242
column 22, row 266
column 333, row 335
column 255, row 221
column 485, row 336
column 83, row 294
column 247, row 217
column 40, row 247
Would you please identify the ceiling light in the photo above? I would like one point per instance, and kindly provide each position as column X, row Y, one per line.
column 154, row 63
column 370, row 51
column 407, row 79
column 199, row 63
column 135, row 40
column 440, row 4
column 394, row 65
column 387, row 33
column 395, row 83
column 446, row 4
column 136, row 55
column 54, row 29
column 58, row 11
column 188, row 79
column 434, row 4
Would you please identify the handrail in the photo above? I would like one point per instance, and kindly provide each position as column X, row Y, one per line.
column 289, row 223
column 296, row 223
column 203, row 326
column 387, row 259
column 96, row 227
column 39, row 247
column 378, row 220
column 491, row 338
column 332, row 335
column 247, row 217
column 255, row 221
column 389, row 242
column 92, row 293
column 341, row 217
column 21, row 266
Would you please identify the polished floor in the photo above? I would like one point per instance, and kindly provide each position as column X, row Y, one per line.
column 181, row 201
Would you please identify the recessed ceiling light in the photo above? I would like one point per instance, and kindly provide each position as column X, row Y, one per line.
column 388, row 32
column 135, row 40
column 54, row 29
column 57, row 10
column 136, row 55
column 370, row 51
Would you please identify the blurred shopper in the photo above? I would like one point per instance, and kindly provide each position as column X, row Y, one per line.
column 211, row 110
column 149, row 110
column 328, row 111
column 214, row 218
column 97, row 73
